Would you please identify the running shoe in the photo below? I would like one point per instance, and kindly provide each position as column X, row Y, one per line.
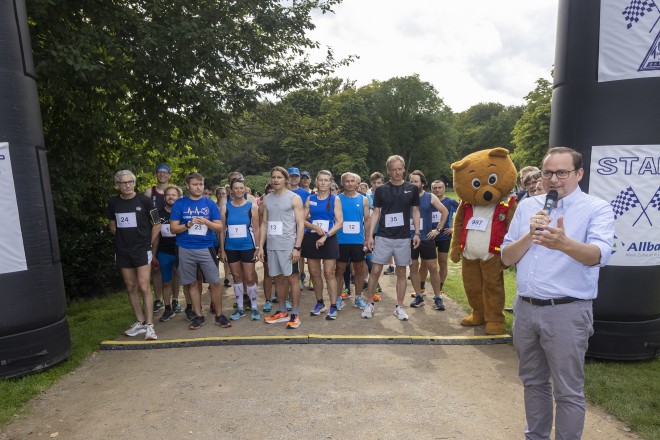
column 277, row 317
column 368, row 311
column 418, row 301
column 275, row 299
column 303, row 276
column 318, row 308
column 136, row 329
column 400, row 313
column 238, row 314
column 167, row 315
column 247, row 302
column 310, row 286
column 288, row 305
column 340, row 303
column 359, row 302
column 302, row 285
column 389, row 270
column 365, row 285
column 332, row 314
column 176, row 306
column 255, row 316
column 197, row 323
column 439, row 304
column 222, row 321
column 346, row 293
column 293, row 323
column 268, row 306
column 227, row 283
column 376, row 296
column 158, row 304
column 150, row 334
column 190, row 314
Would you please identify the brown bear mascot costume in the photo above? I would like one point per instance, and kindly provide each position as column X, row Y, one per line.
column 483, row 180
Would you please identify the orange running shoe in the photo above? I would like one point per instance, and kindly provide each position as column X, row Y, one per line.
column 376, row 296
column 294, row 322
column 277, row 317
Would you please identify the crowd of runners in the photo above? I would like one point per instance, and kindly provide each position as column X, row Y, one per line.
column 344, row 233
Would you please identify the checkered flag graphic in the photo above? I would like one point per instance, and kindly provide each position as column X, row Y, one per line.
column 637, row 9
column 625, row 201
column 655, row 201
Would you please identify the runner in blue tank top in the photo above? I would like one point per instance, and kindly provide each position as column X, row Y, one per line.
column 426, row 250
column 323, row 219
column 237, row 246
column 355, row 210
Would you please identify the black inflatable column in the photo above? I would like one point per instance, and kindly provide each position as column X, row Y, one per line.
column 34, row 334
column 606, row 104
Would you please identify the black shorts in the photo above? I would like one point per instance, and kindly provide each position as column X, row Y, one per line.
column 354, row 252
column 246, row 256
column 443, row 246
column 329, row 251
column 426, row 250
column 134, row 260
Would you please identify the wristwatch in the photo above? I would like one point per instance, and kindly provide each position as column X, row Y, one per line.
column 327, row 235
column 298, row 248
column 187, row 224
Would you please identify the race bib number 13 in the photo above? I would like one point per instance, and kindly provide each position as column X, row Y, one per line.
column 275, row 228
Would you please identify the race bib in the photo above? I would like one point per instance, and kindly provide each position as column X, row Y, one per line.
column 394, row 220
column 126, row 220
column 351, row 228
column 435, row 217
column 324, row 224
column 421, row 224
column 165, row 230
column 478, row 223
column 198, row 230
column 237, row 231
column 275, row 228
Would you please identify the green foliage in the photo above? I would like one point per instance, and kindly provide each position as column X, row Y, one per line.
column 486, row 125
column 133, row 84
column 531, row 133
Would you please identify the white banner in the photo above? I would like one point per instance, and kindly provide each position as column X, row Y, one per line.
column 628, row 176
column 12, row 252
column 629, row 39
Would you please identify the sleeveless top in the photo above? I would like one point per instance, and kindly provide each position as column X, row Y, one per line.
column 425, row 216
column 239, row 236
column 352, row 232
column 281, row 227
column 157, row 199
column 322, row 212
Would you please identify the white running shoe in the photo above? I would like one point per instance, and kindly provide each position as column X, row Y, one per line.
column 136, row 329
column 368, row 311
column 400, row 313
column 150, row 333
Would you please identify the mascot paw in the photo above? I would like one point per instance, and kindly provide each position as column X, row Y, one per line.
column 472, row 321
column 495, row 328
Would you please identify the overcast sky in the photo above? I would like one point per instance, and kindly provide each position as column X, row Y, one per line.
column 471, row 50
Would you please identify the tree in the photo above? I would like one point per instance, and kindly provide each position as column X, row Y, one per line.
column 486, row 125
column 132, row 83
column 531, row 133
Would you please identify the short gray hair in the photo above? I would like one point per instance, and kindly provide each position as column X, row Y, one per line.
column 124, row 173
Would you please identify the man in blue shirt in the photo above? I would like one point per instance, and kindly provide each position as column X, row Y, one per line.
column 558, row 256
column 195, row 220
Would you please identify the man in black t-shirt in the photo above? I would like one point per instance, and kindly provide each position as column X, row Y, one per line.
column 393, row 204
column 131, row 222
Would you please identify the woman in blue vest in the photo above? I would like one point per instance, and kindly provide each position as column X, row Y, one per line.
column 323, row 218
column 237, row 245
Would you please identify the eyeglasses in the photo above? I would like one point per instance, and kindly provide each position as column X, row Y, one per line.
column 561, row 174
column 127, row 183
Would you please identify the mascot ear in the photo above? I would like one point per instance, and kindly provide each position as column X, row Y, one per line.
column 499, row 152
column 461, row 164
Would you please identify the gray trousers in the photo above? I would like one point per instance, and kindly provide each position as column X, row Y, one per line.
column 551, row 342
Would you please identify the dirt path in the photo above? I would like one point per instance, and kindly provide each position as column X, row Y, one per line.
column 298, row 391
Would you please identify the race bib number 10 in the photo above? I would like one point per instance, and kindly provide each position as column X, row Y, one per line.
column 126, row 220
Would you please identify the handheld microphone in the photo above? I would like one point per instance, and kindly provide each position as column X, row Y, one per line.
column 550, row 200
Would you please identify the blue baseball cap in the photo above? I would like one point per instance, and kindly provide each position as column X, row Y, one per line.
column 306, row 174
column 164, row 167
column 293, row 171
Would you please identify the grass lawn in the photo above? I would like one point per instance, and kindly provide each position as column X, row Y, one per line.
column 90, row 322
column 628, row 390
